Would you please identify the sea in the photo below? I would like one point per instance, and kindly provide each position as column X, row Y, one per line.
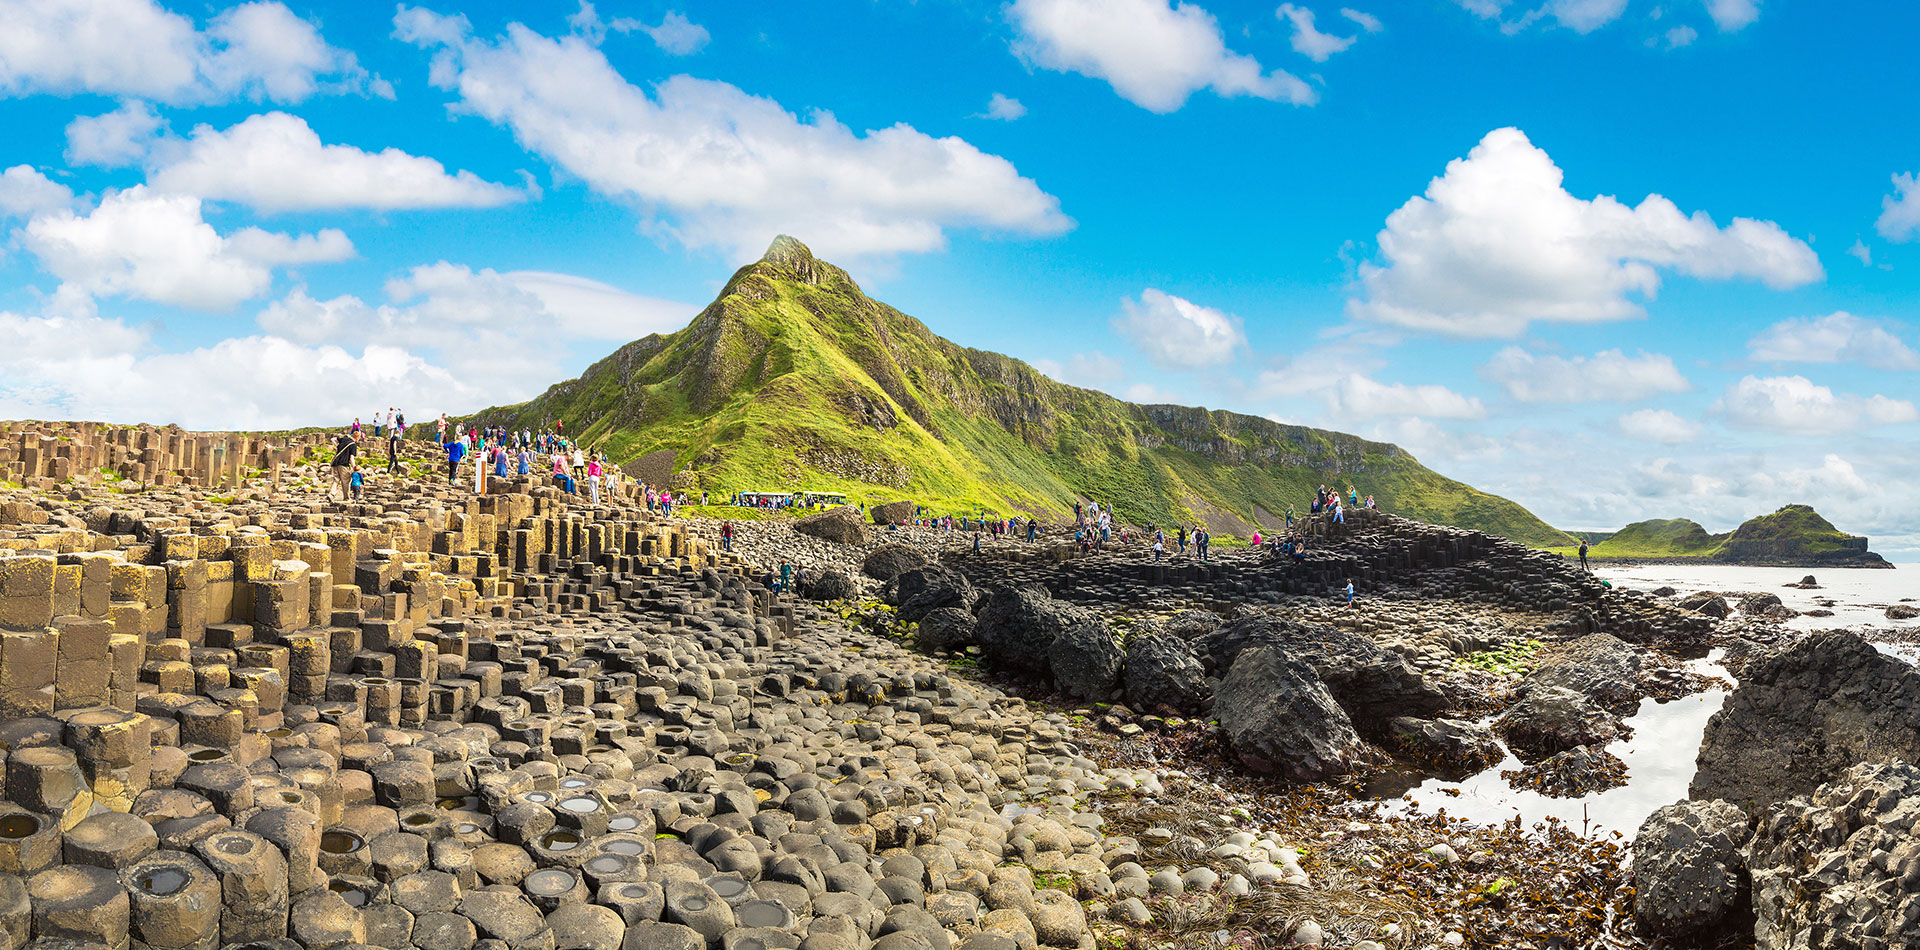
column 1666, row 737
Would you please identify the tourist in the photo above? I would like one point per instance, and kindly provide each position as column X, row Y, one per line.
column 344, row 449
column 393, row 450
column 1583, row 556
column 1159, row 544
column 1339, row 513
column 560, row 475
column 1349, row 593
column 786, row 577
column 455, row 451
column 1256, row 538
column 593, row 480
column 500, row 460
column 1202, row 540
column 357, row 480
column 525, row 459
column 1289, row 517
column 356, row 428
column 726, row 535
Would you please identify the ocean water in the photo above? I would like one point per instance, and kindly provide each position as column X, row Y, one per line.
column 1666, row 736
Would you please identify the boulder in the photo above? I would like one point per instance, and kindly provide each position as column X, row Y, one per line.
column 1163, row 674
column 1455, row 746
column 1902, row 612
column 1803, row 715
column 1757, row 605
column 923, row 590
column 1707, row 602
column 1577, row 772
column 1192, row 624
column 892, row 512
column 888, row 561
column 840, row 525
column 1552, row 719
column 1017, row 626
column 1837, row 869
column 1689, row 869
column 1371, row 684
column 825, row 584
column 1281, row 720
column 1603, row 668
column 945, row 629
column 1086, row 660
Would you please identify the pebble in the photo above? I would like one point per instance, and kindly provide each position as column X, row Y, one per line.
column 1202, row 879
column 1308, row 934
column 1131, row 911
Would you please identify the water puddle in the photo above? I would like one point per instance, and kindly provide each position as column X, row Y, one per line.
column 1660, row 764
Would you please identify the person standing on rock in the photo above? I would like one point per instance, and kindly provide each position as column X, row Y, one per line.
column 726, row 535
column 1289, row 517
column 1349, row 593
column 357, row 479
column 345, row 448
column 1583, row 556
column 593, row 479
column 786, row 577
column 393, row 450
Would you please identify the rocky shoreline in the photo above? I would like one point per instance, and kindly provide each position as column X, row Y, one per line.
column 237, row 713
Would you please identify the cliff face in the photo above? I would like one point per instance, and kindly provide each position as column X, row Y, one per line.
column 794, row 378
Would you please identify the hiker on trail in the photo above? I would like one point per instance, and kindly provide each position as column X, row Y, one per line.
column 1583, row 556
column 726, row 535
column 1159, row 544
column 344, row 449
column 1349, row 593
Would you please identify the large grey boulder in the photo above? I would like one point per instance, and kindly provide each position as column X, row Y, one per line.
column 921, row 591
column 1163, row 673
column 1553, row 719
column 892, row 512
column 1280, row 719
column 1689, row 869
column 1371, row 684
column 1454, row 746
column 1086, row 660
column 888, row 561
column 1017, row 627
column 1803, row 715
column 840, row 525
column 1604, row 668
column 1840, row 868
column 946, row 628
column 827, row 584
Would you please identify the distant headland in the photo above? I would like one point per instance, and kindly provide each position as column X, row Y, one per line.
column 1794, row 536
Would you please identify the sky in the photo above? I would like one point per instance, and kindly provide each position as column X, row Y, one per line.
column 1614, row 259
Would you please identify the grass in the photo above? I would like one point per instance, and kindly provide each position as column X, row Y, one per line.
column 1794, row 529
column 793, row 379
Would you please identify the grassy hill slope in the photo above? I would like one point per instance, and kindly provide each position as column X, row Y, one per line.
column 793, row 378
column 1793, row 532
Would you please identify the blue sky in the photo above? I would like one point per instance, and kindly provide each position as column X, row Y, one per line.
column 1614, row 259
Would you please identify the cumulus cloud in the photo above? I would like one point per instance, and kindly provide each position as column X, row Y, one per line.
column 1861, row 252
column 1365, row 21
column 1360, row 397
column 24, row 192
column 1580, row 16
column 114, row 139
column 136, row 48
column 1004, row 108
column 151, row 246
column 717, row 167
column 1733, row 15
column 1678, row 37
column 276, row 162
column 1496, row 243
column 1309, row 41
column 1657, row 425
column 1607, row 376
column 677, row 35
column 1835, row 338
column 1900, row 211
column 1795, row 405
column 1177, row 333
column 1155, row 54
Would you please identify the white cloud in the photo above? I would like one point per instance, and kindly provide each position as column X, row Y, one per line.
column 678, row 35
column 1094, row 370
column 114, row 139
column 1861, row 252
column 1657, row 425
column 136, row 48
column 1004, row 108
column 717, row 167
column 1155, row 55
column 1308, row 41
column 1366, row 21
column 1679, row 36
column 1900, row 211
column 1435, row 444
column 1835, row 338
column 1733, row 15
column 24, row 192
column 590, row 310
column 1360, row 397
column 1177, row 333
column 151, row 246
column 1580, row 16
column 90, row 367
column 275, row 162
column 1497, row 243
column 1607, row 376
column 1795, row 405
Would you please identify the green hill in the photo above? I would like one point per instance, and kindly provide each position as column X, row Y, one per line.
column 1795, row 534
column 794, row 379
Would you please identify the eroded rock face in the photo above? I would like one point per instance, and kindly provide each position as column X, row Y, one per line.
column 829, row 584
column 1553, row 719
column 921, row 591
column 1018, row 625
column 1689, row 869
column 1803, row 715
column 1086, row 661
column 1603, row 668
column 947, row 628
column 1162, row 672
column 888, row 561
column 1840, row 868
column 840, row 525
column 1281, row 720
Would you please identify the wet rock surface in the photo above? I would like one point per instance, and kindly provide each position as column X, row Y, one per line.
column 1689, row 870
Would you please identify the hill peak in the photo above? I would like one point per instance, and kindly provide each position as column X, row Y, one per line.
column 787, row 258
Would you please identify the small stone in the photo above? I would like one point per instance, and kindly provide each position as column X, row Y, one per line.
column 1308, row 934
column 1130, row 911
